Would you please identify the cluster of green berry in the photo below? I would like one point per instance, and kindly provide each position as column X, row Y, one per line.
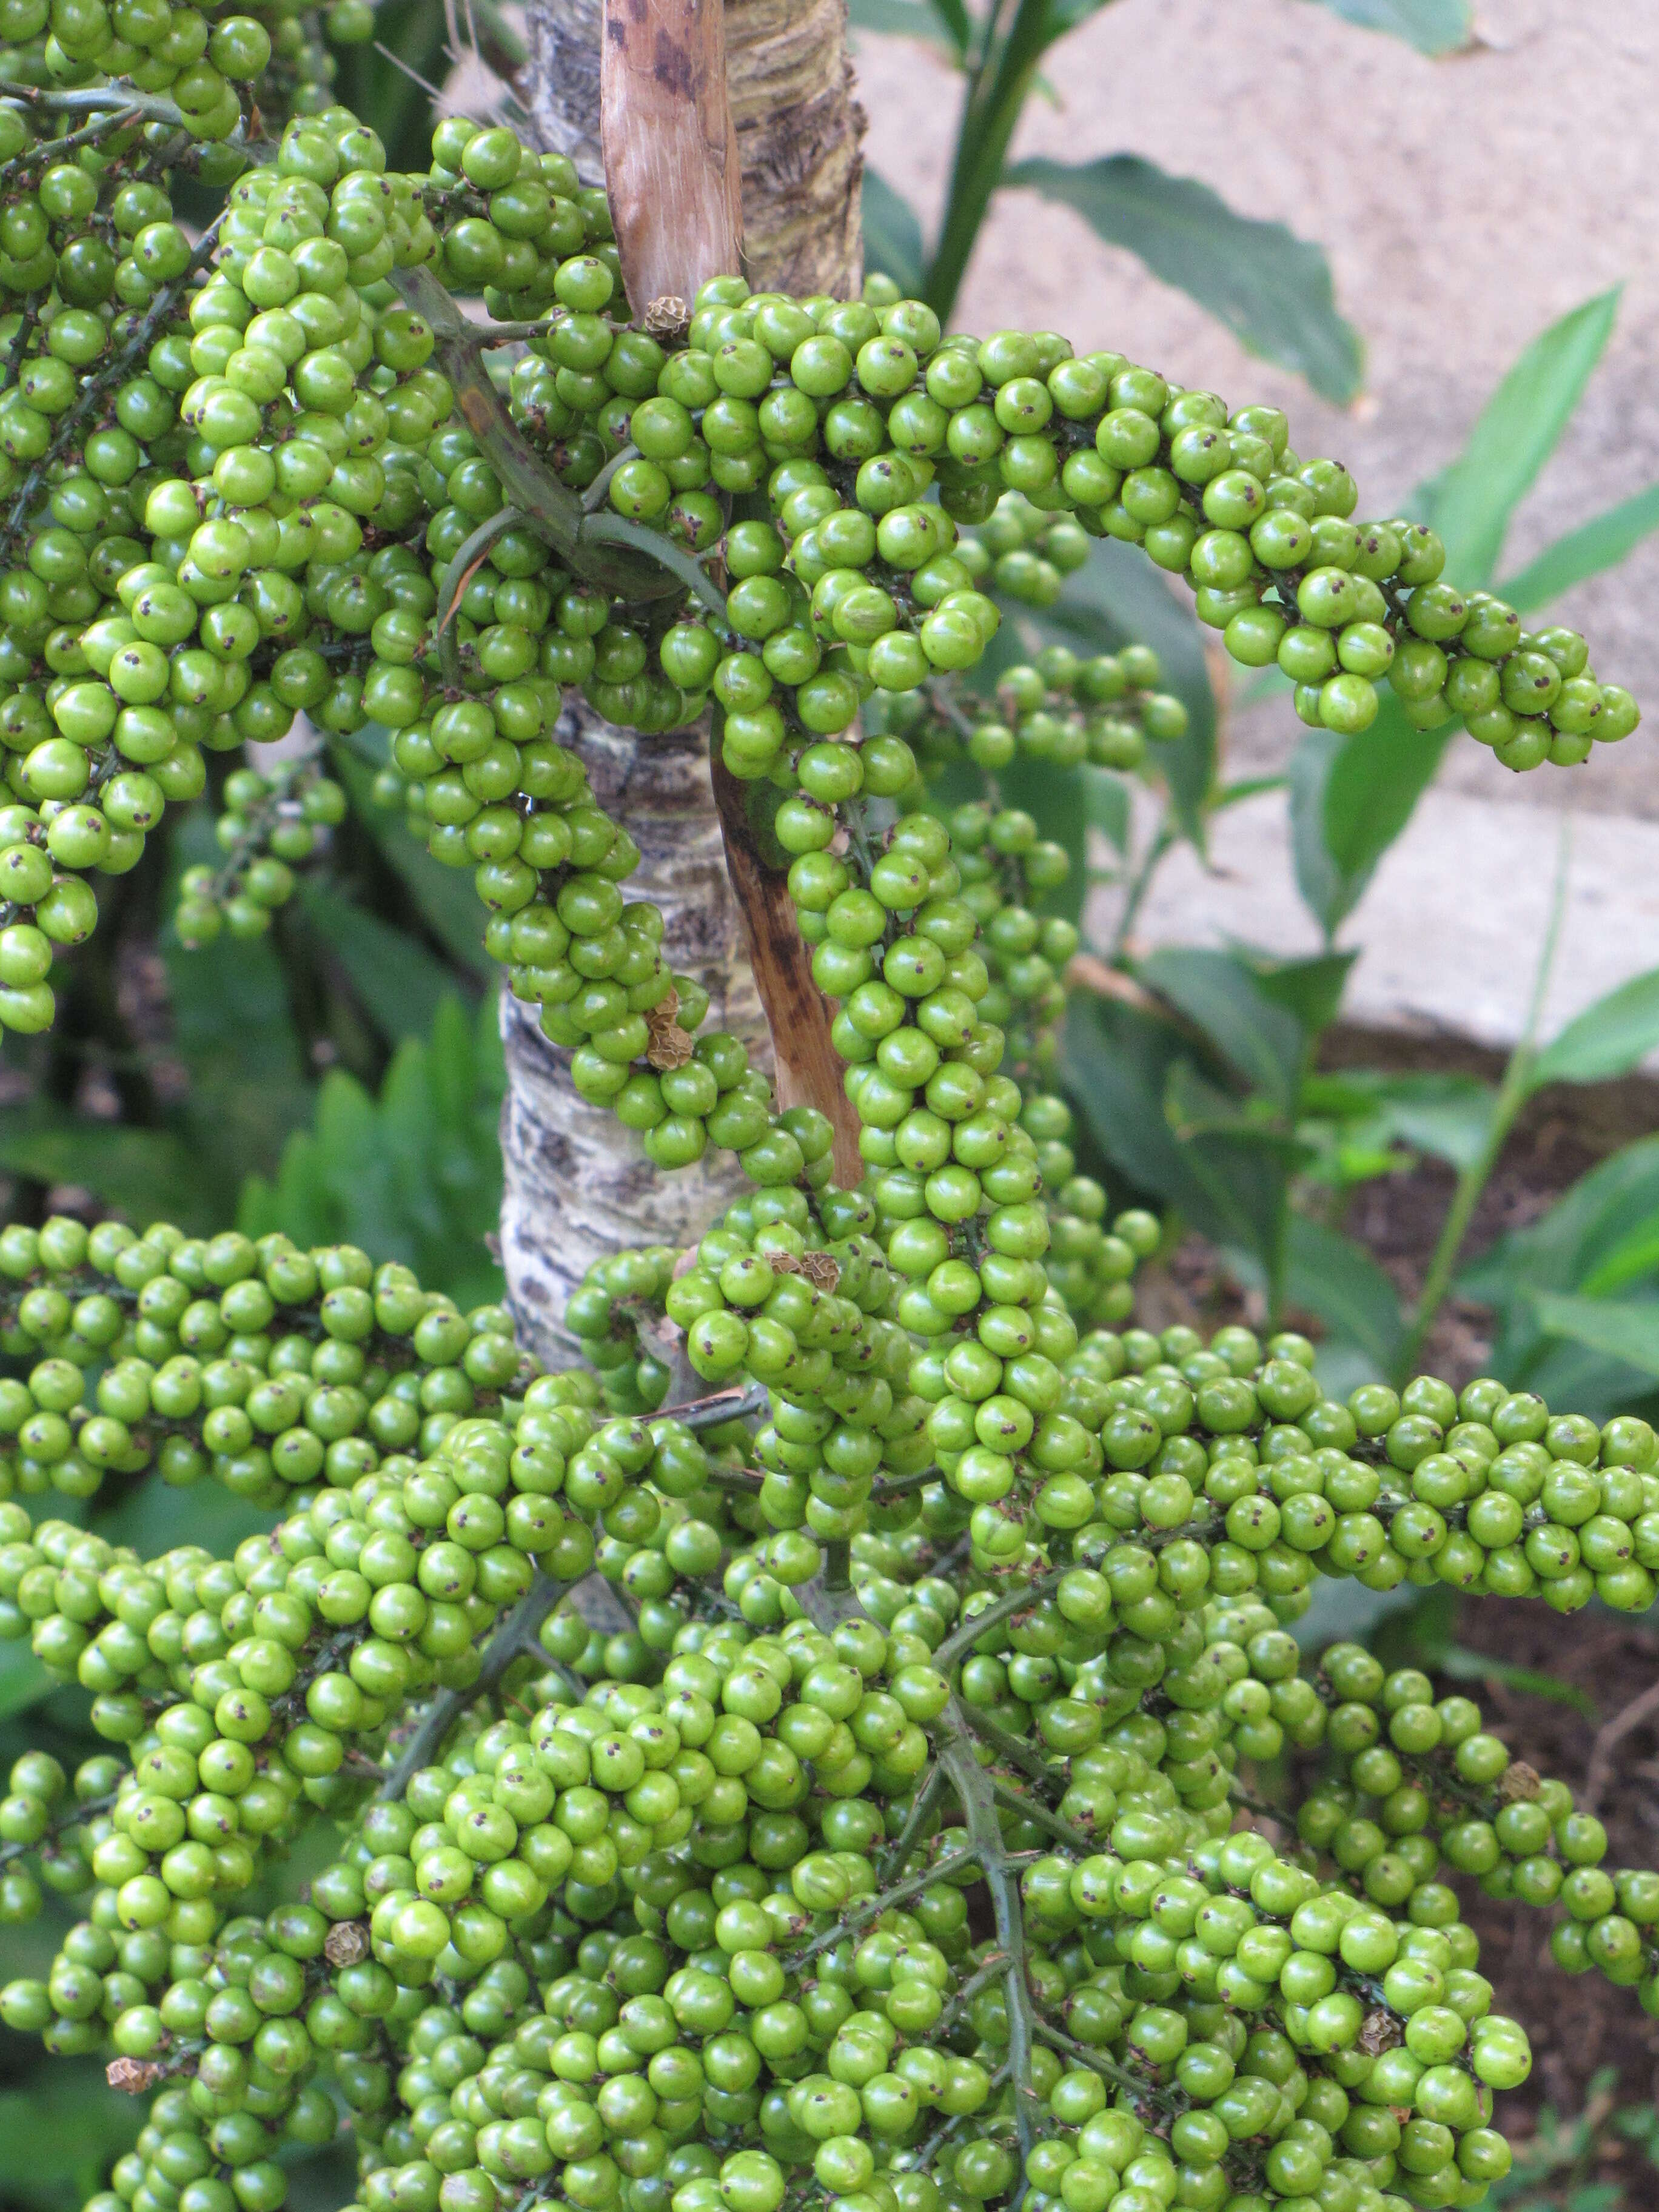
column 1424, row 1782
column 271, row 822
column 1062, row 712
column 260, row 1364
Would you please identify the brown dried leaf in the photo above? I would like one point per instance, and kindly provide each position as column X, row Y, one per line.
column 135, row 2075
column 668, row 316
column 670, row 1047
column 1379, row 2031
column 346, row 1942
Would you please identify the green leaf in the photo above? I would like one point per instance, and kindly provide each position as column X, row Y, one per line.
column 936, row 22
column 1338, row 1281
column 1444, row 1114
column 399, row 982
column 1350, row 799
column 1470, row 502
column 149, row 1175
column 1118, row 599
column 1433, row 26
column 1106, row 805
column 1218, row 993
column 233, row 1030
column 23, row 1680
column 892, row 235
column 1601, row 543
column 1608, row 1039
column 447, row 902
column 1466, row 1666
column 66, row 2124
column 1309, row 990
column 1623, row 1329
column 1054, row 799
column 1271, row 288
column 414, row 1175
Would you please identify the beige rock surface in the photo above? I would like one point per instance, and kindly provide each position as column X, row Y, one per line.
column 1464, row 205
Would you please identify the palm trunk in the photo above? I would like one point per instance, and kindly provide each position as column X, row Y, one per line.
column 578, row 1185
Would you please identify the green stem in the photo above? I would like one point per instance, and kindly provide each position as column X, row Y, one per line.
column 466, row 557
column 511, row 1637
column 1140, row 883
column 956, row 1646
column 976, row 1793
column 990, row 117
column 1513, row 1093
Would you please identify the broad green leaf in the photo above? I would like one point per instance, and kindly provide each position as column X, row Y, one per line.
column 447, row 902
column 154, row 1516
column 233, row 1030
column 1106, row 805
column 399, row 982
column 147, row 1175
column 23, row 1680
column 1318, row 879
column 1471, row 501
column 892, row 235
column 1309, row 990
column 1433, row 26
column 1635, row 1256
column 1245, row 1174
column 1338, row 1281
column 1054, row 799
column 1217, row 991
column 1623, row 1329
column 64, row 2127
column 1444, row 1114
column 1466, row 1666
column 414, row 1175
column 1608, row 1039
column 1560, row 1250
column 1117, row 1064
column 1563, row 1252
column 1350, row 799
column 1116, row 598
column 1595, row 545
column 1271, row 288
column 936, row 22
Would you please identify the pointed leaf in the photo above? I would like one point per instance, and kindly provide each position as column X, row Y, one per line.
column 892, row 235
column 1433, row 26
column 1118, row 599
column 1627, row 1330
column 1337, row 1280
column 23, row 1680
column 1350, row 799
column 449, row 905
column 1310, row 990
column 1608, row 1039
column 1106, row 805
column 1520, row 426
column 399, row 982
column 1584, row 552
column 936, row 22
column 147, row 1175
column 1054, row 799
column 1218, row 993
column 1447, row 1115
column 1271, row 288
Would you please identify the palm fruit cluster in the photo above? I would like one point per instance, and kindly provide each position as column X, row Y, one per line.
column 930, row 1889
column 890, row 1856
column 272, row 473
